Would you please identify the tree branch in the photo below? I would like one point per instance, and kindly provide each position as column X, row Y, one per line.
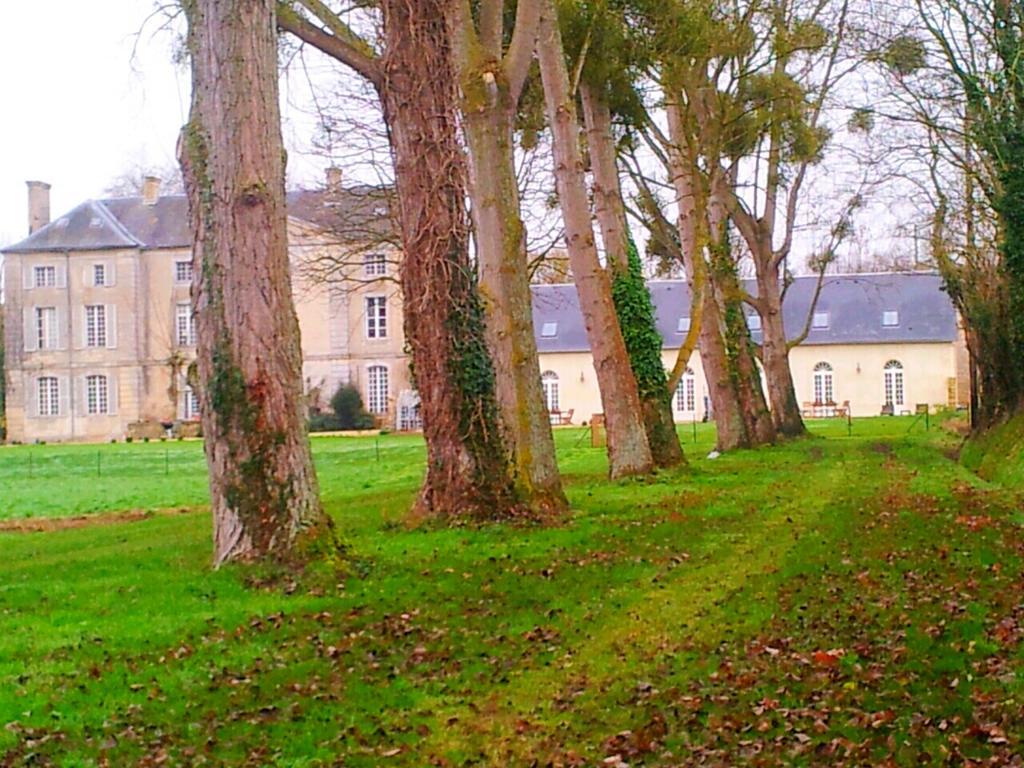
column 348, row 48
column 517, row 60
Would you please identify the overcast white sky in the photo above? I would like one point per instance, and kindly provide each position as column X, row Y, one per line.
column 87, row 99
column 91, row 92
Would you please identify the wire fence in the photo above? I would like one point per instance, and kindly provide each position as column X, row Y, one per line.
column 69, row 462
column 66, row 463
column 41, row 464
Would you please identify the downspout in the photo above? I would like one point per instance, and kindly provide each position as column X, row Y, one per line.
column 69, row 327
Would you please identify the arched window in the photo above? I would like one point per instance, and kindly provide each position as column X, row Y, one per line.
column 823, row 392
column 377, row 389
column 893, row 374
column 686, row 393
column 549, row 381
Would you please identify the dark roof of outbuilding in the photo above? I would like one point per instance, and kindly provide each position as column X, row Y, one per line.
column 354, row 213
column 854, row 305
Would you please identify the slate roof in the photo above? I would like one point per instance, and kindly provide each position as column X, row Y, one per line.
column 354, row 213
column 854, row 305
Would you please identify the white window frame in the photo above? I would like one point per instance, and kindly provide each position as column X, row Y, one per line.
column 96, row 325
column 97, row 394
column 549, row 385
column 184, row 325
column 48, row 399
column 895, row 391
column 99, row 275
column 189, row 403
column 376, row 317
column 824, row 384
column 549, row 330
column 47, row 328
column 44, row 276
column 820, row 321
column 183, row 271
column 754, row 322
column 375, row 264
column 378, row 389
column 686, row 393
column 890, row 318
column 683, row 325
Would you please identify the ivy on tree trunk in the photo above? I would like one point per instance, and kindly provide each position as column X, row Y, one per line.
column 263, row 486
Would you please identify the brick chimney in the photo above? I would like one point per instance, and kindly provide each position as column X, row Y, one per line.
column 38, row 205
column 150, row 190
column 334, row 175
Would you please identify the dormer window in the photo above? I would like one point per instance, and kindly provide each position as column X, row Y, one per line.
column 683, row 326
column 375, row 265
column 820, row 320
column 890, row 318
column 183, row 271
column 549, row 330
column 754, row 322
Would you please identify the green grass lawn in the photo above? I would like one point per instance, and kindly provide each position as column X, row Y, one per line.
column 839, row 600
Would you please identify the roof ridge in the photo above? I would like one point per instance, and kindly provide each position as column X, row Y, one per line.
column 112, row 220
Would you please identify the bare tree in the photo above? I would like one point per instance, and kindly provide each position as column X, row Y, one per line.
column 628, row 450
column 633, row 302
column 469, row 469
column 263, row 484
column 491, row 78
column 954, row 102
column 131, row 181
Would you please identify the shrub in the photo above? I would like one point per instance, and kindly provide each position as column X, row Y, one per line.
column 347, row 412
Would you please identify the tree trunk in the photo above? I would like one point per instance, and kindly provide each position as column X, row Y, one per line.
column 742, row 362
column 775, row 356
column 468, row 468
column 635, row 311
column 263, row 485
column 628, row 450
column 727, row 376
column 500, row 239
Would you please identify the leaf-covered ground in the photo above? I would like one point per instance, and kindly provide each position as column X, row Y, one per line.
column 840, row 601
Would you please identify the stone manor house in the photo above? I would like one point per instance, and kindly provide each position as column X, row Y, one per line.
column 100, row 334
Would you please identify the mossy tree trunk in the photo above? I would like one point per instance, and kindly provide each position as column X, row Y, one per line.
column 263, row 486
column 739, row 347
column 470, row 473
column 491, row 81
column 775, row 356
column 629, row 452
column 632, row 299
column 734, row 387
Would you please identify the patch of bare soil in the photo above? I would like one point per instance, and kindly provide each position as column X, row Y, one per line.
column 47, row 524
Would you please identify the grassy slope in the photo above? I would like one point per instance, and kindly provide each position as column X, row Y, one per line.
column 844, row 601
column 999, row 454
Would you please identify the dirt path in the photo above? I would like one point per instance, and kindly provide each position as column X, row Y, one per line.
column 49, row 524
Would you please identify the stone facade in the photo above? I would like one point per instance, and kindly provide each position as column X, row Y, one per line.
column 99, row 335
